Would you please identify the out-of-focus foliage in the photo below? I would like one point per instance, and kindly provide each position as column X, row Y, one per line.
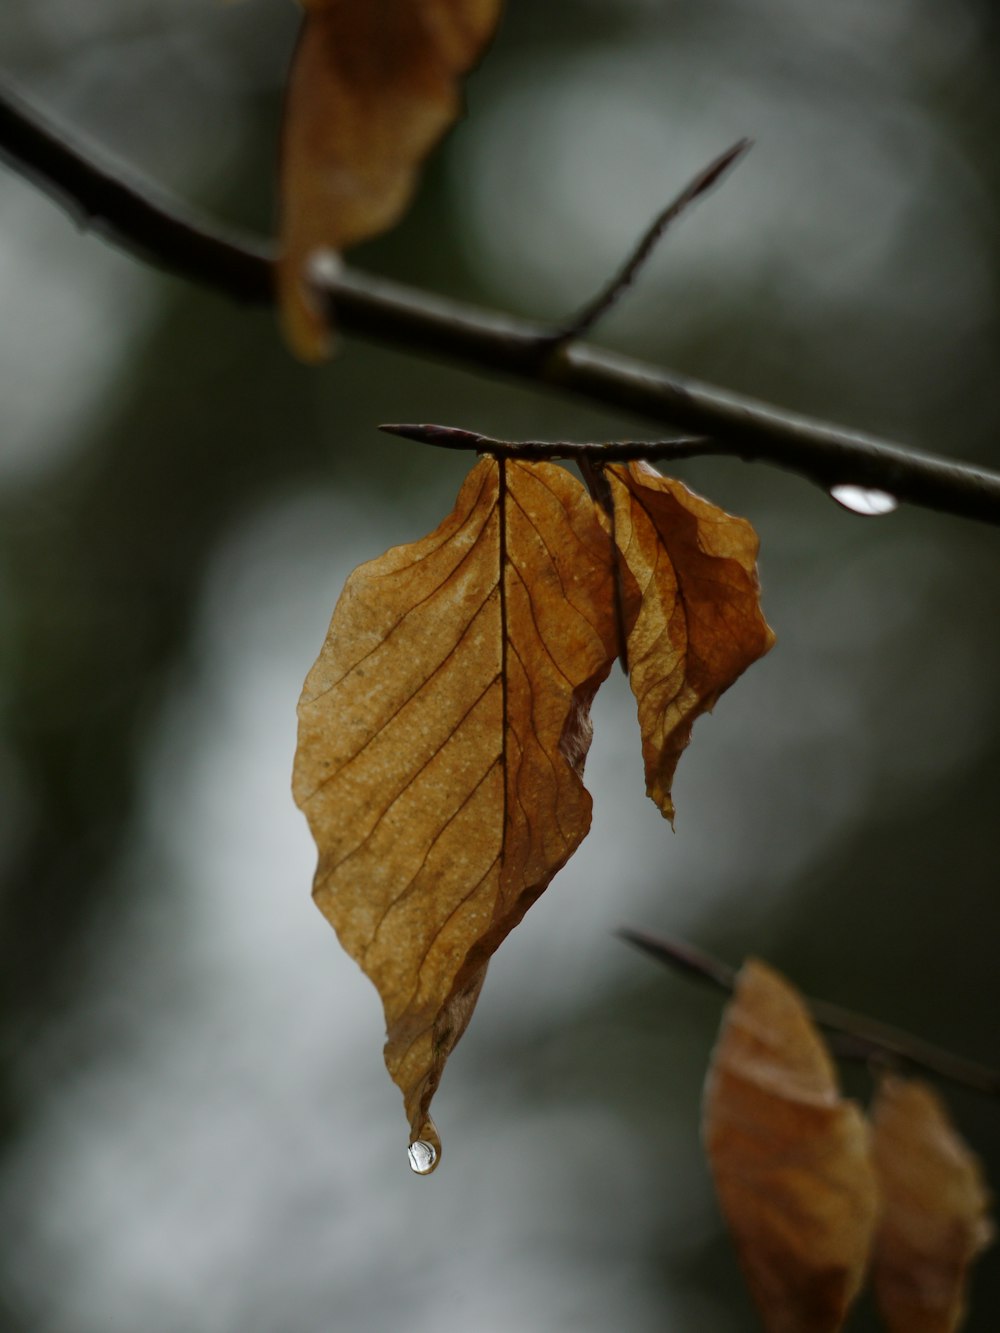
column 371, row 90
column 815, row 1196
column 934, row 1216
column 180, row 505
column 790, row 1159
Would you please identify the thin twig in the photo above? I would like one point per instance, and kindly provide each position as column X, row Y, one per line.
column 610, row 451
column 867, row 1039
column 424, row 324
column 610, row 294
column 907, row 475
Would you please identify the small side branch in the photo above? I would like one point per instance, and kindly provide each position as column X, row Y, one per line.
column 609, row 295
column 866, row 1039
column 146, row 225
column 610, row 451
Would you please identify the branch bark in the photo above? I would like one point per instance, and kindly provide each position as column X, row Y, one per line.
column 155, row 230
column 905, row 474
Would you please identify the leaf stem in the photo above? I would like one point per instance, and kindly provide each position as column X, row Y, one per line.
column 146, row 224
column 867, row 1039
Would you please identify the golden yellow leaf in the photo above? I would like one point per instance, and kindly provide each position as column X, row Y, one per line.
column 789, row 1157
column 373, row 86
column 934, row 1210
column 699, row 624
column 442, row 736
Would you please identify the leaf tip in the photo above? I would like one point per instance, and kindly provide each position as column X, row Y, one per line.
column 660, row 794
column 303, row 315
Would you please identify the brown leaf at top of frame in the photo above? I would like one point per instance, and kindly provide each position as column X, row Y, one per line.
column 934, row 1210
column 442, row 737
column 790, row 1158
column 699, row 624
column 374, row 85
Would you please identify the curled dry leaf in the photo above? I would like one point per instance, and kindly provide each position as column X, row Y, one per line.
column 373, row 86
column 442, row 737
column 699, row 624
column 789, row 1157
column 934, row 1203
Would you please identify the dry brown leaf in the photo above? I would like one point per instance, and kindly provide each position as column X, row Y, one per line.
column 442, row 736
column 373, row 86
column 789, row 1157
column 699, row 625
column 934, row 1220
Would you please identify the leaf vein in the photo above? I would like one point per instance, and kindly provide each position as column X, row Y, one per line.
column 415, row 606
column 407, row 889
column 409, row 698
column 411, row 779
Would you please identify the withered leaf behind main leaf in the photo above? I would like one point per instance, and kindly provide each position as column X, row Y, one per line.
column 442, row 736
column 373, row 86
column 789, row 1157
column 934, row 1210
column 699, row 624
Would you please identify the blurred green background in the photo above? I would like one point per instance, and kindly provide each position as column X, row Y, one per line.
column 196, row 1130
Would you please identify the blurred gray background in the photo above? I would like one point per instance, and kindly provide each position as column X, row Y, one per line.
column 196, row 1130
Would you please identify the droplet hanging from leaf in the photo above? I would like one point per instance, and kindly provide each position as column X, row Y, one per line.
column 423, row 1157
column 442, row 737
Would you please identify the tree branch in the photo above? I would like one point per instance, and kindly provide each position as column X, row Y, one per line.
column 148, row 226
column 152, row 228
column 866, row 1038
column 905, row 474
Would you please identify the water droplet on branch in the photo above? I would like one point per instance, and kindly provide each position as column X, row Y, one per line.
column 863, row 500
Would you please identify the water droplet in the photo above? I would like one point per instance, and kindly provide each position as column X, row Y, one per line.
column 861, row 500
column 324, row 267
column 423, row 1157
